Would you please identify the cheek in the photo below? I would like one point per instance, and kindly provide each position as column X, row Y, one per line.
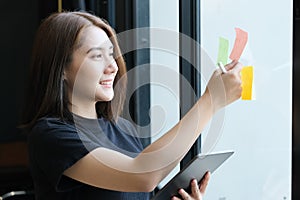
column 90, row 71
column 86, row 80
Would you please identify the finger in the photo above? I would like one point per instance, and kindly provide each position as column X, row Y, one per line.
column 175, row 198
column 217, row 72
column 194, row 188
column 184, row 194
column 231, row 65
column 204, row 182
column 237, row 68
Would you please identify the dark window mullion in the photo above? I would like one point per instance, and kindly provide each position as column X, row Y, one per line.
column 142, row 57
column 189, row 25
column 296, row 101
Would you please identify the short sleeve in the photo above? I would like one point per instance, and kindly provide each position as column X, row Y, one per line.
column 54, row 146
column 129, row 129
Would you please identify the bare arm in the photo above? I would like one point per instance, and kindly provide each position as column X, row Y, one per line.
column 109, row 169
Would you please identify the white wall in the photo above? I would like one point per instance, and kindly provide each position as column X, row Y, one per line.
column 259, row 131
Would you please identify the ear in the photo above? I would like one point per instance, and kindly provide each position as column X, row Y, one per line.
column 64, row 76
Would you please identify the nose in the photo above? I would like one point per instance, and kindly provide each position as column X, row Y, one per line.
column 111, row 67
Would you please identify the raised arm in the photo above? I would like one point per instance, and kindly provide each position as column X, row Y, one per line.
column 112, row 170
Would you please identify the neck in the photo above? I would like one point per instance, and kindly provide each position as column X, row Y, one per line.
column 83, row 107
column 86, row 110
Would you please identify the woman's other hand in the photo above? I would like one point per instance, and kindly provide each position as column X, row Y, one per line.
column 197, row 191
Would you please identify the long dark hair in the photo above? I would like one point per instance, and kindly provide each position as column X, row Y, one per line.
column 55, row 42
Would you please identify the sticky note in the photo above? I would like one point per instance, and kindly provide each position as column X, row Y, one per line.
column 239, row 44
column 223, row 50
column 247, row 82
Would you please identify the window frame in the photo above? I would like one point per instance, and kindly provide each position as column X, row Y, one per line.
column 190, row 25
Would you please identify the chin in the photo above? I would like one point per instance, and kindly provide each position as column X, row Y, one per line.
column 105, row 98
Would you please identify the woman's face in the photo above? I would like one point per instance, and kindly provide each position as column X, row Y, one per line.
column 91, row 74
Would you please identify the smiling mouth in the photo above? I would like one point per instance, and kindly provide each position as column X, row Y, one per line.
column 106, row 83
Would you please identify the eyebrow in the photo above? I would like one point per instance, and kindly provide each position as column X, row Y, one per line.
column 98, row 48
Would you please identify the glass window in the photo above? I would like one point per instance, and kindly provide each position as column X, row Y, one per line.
column 258, row 130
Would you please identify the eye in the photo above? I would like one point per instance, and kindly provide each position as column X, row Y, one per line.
column 97, row 56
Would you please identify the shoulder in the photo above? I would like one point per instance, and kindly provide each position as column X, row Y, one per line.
column 51, row 123
column 123, row 121
column 126, row 126
column 50, row 128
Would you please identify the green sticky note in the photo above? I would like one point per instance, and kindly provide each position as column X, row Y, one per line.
column 223, row 50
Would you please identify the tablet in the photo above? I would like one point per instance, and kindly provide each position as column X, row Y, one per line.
column 195, row 169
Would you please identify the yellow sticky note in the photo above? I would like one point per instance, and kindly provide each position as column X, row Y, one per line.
column 247, row 82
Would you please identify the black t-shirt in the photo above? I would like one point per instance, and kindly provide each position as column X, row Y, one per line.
column 55, row 145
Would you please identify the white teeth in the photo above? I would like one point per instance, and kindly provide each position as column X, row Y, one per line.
column 105, row 83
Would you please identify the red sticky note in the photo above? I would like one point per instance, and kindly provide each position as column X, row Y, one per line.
column 239, row 44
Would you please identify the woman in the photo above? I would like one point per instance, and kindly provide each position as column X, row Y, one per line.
column 79, row 147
